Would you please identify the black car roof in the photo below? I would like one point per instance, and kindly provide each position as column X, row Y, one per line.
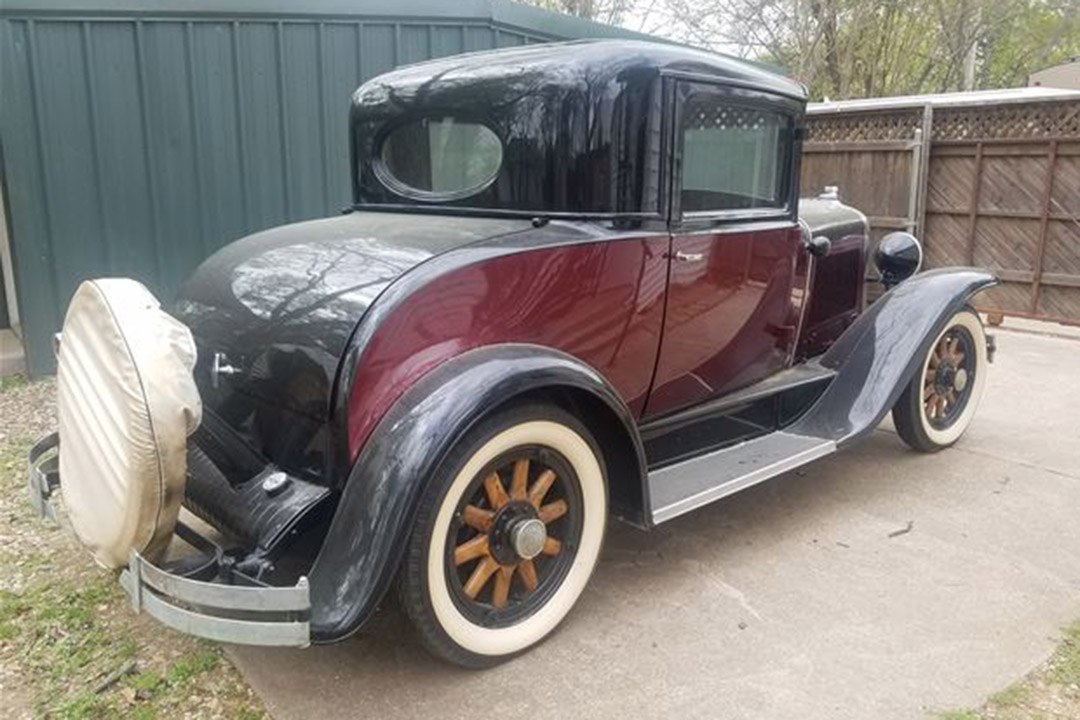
column 597, row 57
column 579, row 124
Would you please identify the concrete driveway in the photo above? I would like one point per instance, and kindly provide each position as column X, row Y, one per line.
column 877, row 583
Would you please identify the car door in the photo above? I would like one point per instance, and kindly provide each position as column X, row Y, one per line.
column 731, row 314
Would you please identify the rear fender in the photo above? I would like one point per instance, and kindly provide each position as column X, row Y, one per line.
column 878, row 355
column 371, row 526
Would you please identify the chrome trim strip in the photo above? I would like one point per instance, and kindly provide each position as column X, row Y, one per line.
column 692, row 226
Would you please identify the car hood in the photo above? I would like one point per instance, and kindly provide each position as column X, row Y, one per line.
column 276, row 309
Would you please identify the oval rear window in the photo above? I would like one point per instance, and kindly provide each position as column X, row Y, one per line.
column 440, row 158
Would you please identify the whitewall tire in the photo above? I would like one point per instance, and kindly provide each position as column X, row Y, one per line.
column 507, row 536
column 940, row 402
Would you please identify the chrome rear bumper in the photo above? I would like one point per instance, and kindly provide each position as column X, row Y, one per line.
column 248, row 615
column 233, row 607
column 43, row 474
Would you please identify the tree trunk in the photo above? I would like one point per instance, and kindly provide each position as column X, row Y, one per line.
column 824, row 12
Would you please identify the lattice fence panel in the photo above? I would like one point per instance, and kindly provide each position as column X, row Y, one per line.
column 1034, row 120
column 863, row 126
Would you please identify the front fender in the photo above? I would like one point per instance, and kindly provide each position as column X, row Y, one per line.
column 877, row 356
column 371, row 525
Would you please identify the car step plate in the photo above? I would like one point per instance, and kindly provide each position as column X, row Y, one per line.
column 679, row 488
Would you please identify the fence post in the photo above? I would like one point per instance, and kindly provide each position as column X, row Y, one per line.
column 1044, row 223
column 924, row 172
column 915, row 170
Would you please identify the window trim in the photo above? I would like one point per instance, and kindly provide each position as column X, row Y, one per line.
column 397, row 186
column 684, row 90
column 774, row 186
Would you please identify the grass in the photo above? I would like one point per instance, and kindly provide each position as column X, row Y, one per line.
column 12, row 382
column 70, row 645
column 1013, row 696
column 1051, row 692
column 59, row 634
column 147, row 694
column 1066, row 662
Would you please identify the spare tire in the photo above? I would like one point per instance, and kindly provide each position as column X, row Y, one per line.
column 127, row 403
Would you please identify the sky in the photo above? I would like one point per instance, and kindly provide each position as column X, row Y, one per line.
column 652, row 17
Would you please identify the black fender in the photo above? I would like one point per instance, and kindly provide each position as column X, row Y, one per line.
column 878, row 355
column 366, row 540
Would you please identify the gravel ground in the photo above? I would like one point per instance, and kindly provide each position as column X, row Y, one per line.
column 70, row 646
column 27, row 410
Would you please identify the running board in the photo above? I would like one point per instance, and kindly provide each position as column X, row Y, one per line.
column 680, row 488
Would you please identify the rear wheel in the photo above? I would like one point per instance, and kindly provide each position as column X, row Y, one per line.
column 506, row 537
column 940, row 401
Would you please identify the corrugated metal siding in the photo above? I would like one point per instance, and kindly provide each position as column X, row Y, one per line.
column 135, row 143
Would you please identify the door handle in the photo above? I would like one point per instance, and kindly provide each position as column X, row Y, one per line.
column 688, row 257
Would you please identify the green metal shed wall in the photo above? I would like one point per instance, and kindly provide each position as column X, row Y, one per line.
column 136, row 141
column 4, row 320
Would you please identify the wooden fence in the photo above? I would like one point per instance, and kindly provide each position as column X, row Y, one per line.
column 995, row 185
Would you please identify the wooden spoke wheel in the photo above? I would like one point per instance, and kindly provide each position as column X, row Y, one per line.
column 514, row 535
column 507, row 537
column 947, row 378
column 938, row 404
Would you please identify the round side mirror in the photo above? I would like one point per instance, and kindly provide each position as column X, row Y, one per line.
column 898, row 257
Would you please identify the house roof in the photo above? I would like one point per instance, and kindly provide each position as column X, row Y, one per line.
column 952, row 99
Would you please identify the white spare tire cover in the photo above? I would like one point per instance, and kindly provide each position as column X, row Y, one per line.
column 127, row 403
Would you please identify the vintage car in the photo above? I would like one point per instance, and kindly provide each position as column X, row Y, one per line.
column 576, row 282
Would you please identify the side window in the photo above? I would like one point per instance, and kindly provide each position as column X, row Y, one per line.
column 734, row 157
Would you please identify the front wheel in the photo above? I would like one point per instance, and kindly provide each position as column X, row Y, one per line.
column 938, row 404
column 507, row 535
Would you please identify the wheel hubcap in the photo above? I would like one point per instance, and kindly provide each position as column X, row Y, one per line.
column 528, row 538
